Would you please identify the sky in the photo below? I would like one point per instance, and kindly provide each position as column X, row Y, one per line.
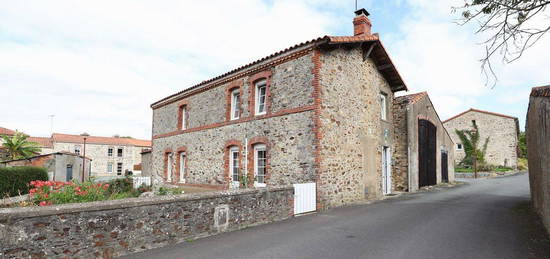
column 98, row 65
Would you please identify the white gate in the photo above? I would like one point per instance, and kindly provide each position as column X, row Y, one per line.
column 305, row 198
column 138, row 181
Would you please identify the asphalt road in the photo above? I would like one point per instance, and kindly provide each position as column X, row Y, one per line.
column 487, row 218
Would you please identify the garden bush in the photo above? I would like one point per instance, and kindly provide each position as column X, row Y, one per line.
column 50, row 192
column 15, row 180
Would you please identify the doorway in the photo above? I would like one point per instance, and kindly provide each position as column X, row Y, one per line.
column 427, row 152
column 69, row 176
column 444, row 167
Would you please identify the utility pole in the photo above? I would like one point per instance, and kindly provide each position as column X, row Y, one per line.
column 84, row 160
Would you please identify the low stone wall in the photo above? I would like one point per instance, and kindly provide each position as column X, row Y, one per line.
column 486, row 174
column 114, row 228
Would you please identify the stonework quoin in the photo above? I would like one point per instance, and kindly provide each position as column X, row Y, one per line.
column 502, row 130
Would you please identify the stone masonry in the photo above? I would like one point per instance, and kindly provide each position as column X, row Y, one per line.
column 323, row 121
column 109, row 229
column 502, row 130
column 538, row 144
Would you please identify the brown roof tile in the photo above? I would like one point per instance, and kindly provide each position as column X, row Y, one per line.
column 43, row 142
column 67, row 138
column 481, row 111
column 541, row 91
column 379, row 53
column 411, row 98
column 9, row 132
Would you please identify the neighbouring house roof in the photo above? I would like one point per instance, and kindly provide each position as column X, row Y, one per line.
column 67, row 138
column 43, row 142
column 50, row 154
column 9, row 132
column 541, row 91
column 481, row 111
column 411, row 98
column 371, row 42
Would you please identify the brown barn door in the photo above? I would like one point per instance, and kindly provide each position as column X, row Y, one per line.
column 427, row 152
column 444, row 167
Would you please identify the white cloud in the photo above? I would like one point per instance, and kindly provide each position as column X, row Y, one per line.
column 98, row 65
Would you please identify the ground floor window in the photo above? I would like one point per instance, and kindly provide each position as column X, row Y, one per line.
column 182, row 167
column 260, row 163
column 234, row 163
column 169, row 165
column 109, row 167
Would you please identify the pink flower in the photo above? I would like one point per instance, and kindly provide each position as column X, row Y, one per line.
column 43, row 203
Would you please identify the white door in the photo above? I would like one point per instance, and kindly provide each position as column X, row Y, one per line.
column 234, row 167
column 305, row 198
column 386, row 171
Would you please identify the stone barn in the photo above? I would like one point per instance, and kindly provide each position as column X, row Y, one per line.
column 502, row 130
column 424, row 150
column 538, row 144
column 319, row 111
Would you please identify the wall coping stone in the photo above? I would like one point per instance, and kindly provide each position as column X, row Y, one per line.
column 8, row 214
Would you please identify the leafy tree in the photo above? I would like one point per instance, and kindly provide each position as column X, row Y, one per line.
column 470, row 142
column 512, row 26
column 522, row 145
column 18, row 147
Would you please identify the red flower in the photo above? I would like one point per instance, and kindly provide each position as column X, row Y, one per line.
column 43, row 203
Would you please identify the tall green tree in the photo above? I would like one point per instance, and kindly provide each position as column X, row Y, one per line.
column 522, row 145
column 470, row 142
column 18, row 147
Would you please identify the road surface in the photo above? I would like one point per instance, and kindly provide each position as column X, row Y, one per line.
column 486, row 218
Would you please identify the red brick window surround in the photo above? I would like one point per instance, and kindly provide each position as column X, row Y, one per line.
column 168, row 165
column 234, row 95
column 259, row 168
column 182, row 171
column 259, row 89
column 233, row 163
column 183, row 115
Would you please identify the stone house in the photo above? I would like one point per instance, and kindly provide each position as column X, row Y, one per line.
column 146, row 162
column 538, row 144
column 112, row 156
column 61, row 166
column 424, row 150
column 502, row 130
column 319, row 111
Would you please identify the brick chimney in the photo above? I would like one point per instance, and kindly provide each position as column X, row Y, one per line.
column 361, row 23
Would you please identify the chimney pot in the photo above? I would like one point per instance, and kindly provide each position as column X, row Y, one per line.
column 361, row 23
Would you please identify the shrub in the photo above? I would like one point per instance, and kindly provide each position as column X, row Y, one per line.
column 172, row 191
column 15, row 180
column 50, row 192
column 120, row 185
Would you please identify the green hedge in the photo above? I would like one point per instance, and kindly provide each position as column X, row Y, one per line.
column 15, row 180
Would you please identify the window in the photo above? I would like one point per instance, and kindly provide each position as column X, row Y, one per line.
column 383, row 106
column 77, row 150
column 110, row 151
column 182, row 167
column 261, row 90
column 458, row 146
column 260, row 162
column 235, row 104
column 109, row 167
column 183, row 117
column 119, row 152
column 234, row 163
column 119, row 168
column 473, row 122
column 169, row 165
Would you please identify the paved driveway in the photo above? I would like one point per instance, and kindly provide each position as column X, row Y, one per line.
column 483, row 219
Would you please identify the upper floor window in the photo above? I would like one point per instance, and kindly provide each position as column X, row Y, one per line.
column 235, row 104
column 110, row 151
column 260, row 164
column 260, row 102
column 458, row 146
column 77, row 150
column 119, row 152
column 182, row 123
column 383, row 106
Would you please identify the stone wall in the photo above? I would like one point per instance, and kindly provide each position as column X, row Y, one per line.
column 400, row 167
column 287, row 128
column 538, row 139
column 114, row 228
column 352, row 131
column 503, row 132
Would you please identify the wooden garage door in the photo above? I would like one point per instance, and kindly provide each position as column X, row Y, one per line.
column 427, row 151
